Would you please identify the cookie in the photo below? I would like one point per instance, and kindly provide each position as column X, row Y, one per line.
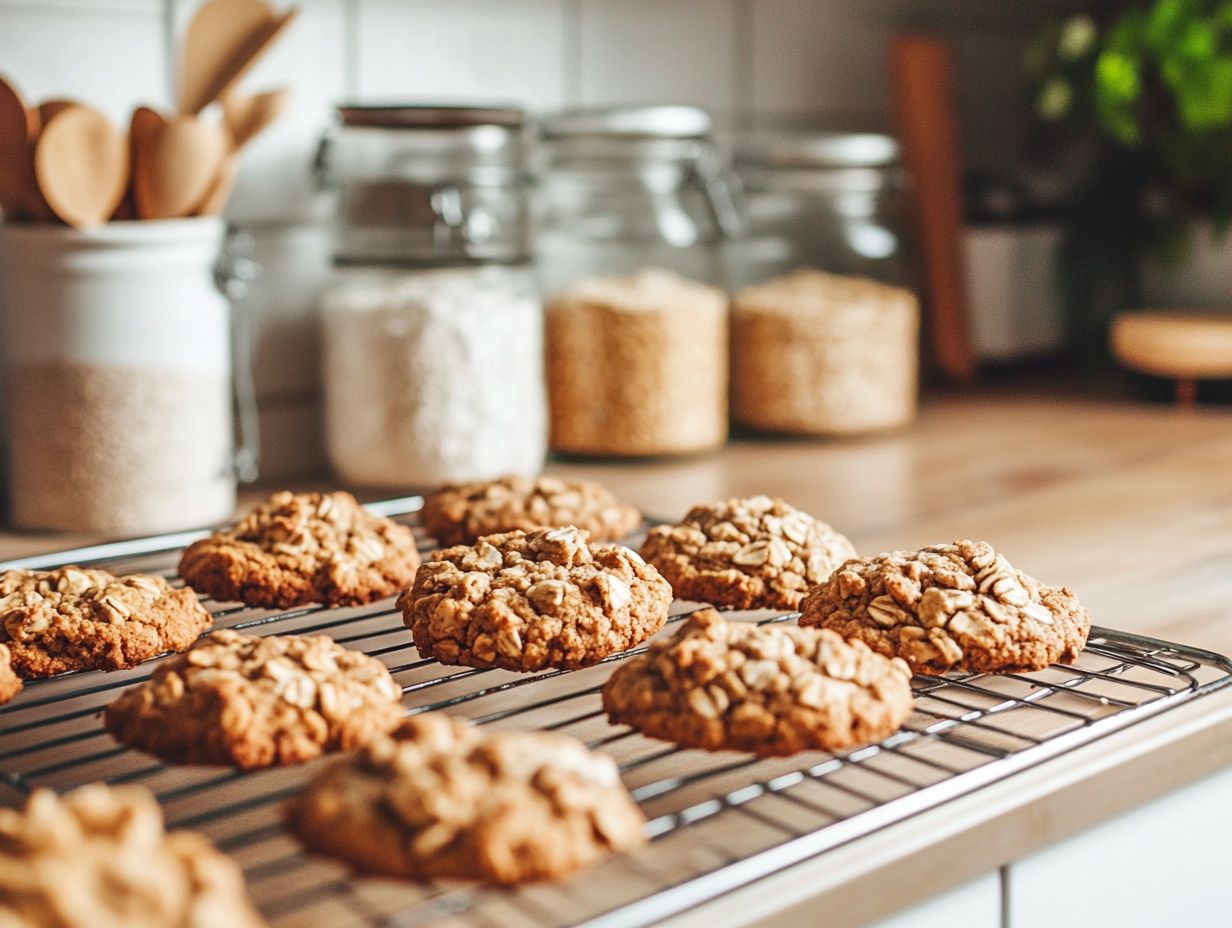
column 462, row 513
column 442, row 799
column 768, row 689
column 99, row 856
column 951, row 607
column 531, row 601
column 78, row 618
column 301, row 548
column 754, row 553
column 10, row 683
column 257, row 702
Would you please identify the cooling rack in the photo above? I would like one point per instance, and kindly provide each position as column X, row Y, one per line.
column 716, row 821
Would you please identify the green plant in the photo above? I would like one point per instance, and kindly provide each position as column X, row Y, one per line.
column 1146, row 92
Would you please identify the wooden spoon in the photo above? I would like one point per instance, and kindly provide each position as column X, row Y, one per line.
column 177, row 165
column 81, row 160
column 144, row 123
column 224, row 40
column 221, row 188
column 247, row 116
column 16, row 171
column 48, row 109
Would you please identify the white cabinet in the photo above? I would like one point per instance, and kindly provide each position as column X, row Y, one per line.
column 973, row 905
column 1163, row 864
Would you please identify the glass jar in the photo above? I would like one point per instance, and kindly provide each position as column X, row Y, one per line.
column 633, row 211
column 427, row 185
column 432, row 329
column 629, row 188
column 830, row 201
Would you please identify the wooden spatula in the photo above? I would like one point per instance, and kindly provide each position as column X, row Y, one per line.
column 224, row 40
column 247, row 116
column 177, row 164
column 17, row 126
column 81, row 161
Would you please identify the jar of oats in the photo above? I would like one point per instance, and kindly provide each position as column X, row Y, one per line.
column 637, row 366
column 819, row 354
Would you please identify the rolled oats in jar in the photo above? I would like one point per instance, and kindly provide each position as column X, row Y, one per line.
column 637, row 366
column 820, row 354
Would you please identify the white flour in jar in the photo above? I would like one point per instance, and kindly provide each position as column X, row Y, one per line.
column 433, row 376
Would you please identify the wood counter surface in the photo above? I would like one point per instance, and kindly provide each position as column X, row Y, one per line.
column 1128, row 504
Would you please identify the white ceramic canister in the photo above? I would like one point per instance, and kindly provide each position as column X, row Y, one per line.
column 117, row 349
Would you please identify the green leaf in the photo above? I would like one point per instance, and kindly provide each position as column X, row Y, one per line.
column 1117, row 86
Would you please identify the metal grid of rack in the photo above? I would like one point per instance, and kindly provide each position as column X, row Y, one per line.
column 717, row 821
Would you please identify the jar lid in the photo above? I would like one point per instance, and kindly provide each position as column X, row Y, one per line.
column 427, row 116
column 819, row 150
column 668, row 121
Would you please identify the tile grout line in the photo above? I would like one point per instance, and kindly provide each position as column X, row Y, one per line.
column 350, row 49
column 571, row 59
column 742, row 51
column 170, row 70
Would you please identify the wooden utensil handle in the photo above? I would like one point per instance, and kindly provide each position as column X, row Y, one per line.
column 921, row 76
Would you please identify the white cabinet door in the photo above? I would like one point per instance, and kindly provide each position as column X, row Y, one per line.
column 973, row 905
column 1165, row 863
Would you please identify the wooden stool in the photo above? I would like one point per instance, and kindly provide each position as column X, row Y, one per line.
column 1185, row 347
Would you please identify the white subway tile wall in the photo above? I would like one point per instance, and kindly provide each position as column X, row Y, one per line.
column 656, row 51
column 748, row 60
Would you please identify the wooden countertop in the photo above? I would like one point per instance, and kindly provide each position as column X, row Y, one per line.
column 1128, row 504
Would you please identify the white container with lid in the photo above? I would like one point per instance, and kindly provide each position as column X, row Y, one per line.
column 117, row 349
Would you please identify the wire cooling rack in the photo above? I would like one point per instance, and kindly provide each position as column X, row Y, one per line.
column 717, row 821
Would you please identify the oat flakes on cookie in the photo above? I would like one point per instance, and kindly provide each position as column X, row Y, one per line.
column 770, row 689
column 257, row 702
column 79, row 618
column 531, row 601
column 754, row 553
column 10, row 683
column 99, row 856
column 300, row 548
column 951, row 607
column 443, row 799
column 462, row 513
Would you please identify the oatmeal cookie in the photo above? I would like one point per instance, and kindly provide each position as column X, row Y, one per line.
column 78, row 618
column 770, row 689
column 10, row 683
column 441, row 799
column 461, row 514
column 301, row 548
column 951, row 607
column 99, row 856
column 257, row 702
column 528, row 602
column 754, row 553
